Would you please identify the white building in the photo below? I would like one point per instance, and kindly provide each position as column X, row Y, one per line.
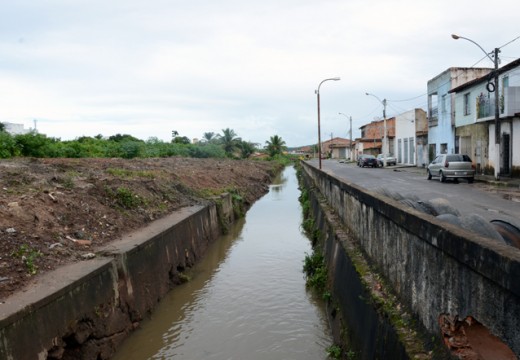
column 15, row 129
column 411, row 138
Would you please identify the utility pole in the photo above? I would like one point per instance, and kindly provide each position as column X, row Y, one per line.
column 497, row 119
column 384, row 136
column 384, row 127
column 497, row 100
column 351, row 157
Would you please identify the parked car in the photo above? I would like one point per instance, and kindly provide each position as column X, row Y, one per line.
column 390, row 160
column 453, row 166
column 367, row 160
column 359, row 159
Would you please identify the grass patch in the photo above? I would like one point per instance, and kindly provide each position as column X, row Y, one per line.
column 125, row 197
column 28, row 257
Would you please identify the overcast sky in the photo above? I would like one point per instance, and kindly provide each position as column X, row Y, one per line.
column 145, row 68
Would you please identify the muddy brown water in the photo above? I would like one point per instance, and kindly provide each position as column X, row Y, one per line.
column 247, row 298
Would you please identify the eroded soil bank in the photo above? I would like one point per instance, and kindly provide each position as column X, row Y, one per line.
column 57, row 211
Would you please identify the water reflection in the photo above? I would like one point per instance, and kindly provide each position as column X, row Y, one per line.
column 277, row 187
column 247, row 298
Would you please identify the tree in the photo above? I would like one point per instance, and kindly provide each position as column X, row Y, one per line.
column 210, row 137
column 177, row 139
column 181, row 140
column 124, row 137
column 275, row 146
column 7, row 145
column 32, row 144
column 229, row 141
column 2, row 127
column 247, row 148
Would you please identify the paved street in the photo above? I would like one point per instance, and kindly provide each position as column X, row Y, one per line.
column 483, row 197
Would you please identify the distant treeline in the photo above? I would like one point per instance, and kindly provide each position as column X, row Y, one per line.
column 38, row 145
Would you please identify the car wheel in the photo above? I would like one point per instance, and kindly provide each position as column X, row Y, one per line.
column 442, row 178
column 429, row 175
column 470, row 180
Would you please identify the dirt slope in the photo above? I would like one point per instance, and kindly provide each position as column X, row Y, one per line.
column 57, row 211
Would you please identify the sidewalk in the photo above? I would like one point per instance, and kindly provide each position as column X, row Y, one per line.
column 490, row 179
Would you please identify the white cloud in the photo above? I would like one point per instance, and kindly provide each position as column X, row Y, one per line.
column 146, row 68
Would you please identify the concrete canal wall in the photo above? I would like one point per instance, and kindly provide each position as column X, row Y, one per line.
column 438, row 272
column 84, row 310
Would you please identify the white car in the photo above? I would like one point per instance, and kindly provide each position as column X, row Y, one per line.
column 453, row 166
column 390, row 160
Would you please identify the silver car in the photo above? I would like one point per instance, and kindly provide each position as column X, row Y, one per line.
column 453, row 166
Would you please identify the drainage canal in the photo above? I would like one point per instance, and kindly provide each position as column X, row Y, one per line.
column 247, row 298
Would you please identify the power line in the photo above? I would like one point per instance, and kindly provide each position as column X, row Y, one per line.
column 475, row 64
column 425, row 104
column 518, row 37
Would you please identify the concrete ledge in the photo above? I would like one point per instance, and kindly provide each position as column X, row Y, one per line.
column 434, row 268
column 84, row 310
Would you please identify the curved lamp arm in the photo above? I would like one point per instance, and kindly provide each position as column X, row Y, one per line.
column 334, row 79
column 457, row 37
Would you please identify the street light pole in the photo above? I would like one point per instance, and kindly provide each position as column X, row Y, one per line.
column 497, row 110
column 384, row 126
column 350, row 143
column 319, row 127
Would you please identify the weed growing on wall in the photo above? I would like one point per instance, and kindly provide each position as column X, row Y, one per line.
column 334, row 352
column 316, row 272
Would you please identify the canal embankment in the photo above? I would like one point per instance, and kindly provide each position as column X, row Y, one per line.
column 84, row 310
column 404, row 283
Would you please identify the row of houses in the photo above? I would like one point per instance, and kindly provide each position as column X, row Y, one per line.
column 460, row 118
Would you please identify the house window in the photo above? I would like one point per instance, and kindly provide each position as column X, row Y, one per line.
column 467, row 109
column 443, row 104
column 444, row 148
column 505, row 81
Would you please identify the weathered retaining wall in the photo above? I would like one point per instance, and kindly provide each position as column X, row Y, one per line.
column 434, row 268
column 85, row 310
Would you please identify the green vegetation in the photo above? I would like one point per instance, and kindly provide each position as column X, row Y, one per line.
column 184, row 278
column 334, row 352
column 28, row 257
column 124, row 197
column 212, row 145
column 314, row 265
column 275, row 146
column 316, row 273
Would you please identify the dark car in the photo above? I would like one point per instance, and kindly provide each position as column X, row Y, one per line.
column 367, row 160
